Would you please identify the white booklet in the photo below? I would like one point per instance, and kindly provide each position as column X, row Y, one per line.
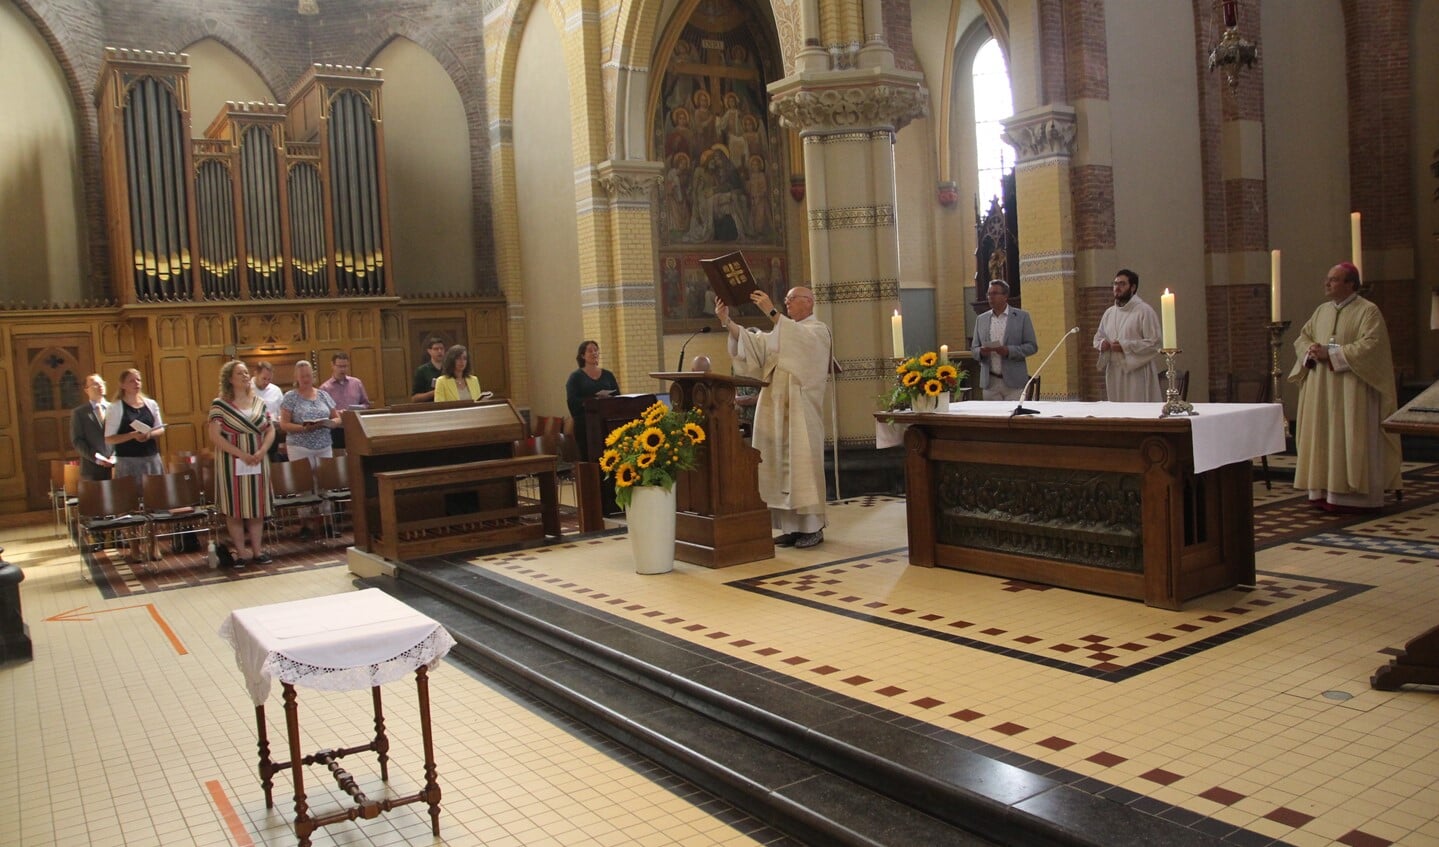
column 243, row 469
column 140, row 426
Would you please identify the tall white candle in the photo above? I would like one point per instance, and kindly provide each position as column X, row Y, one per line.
column 1274, row 300
column 1356, row 244
column 896, row 330
column 943, row 353
column 1166, row 309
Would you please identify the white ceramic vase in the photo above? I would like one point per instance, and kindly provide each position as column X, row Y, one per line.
column 925, row 403
column 651, row 519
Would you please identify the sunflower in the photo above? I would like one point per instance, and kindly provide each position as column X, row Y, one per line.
column 912, row 378
column 695, row 432
column 625, row 476
column 617, row 433
column 932, row 387
column 645, row 460
column 928, row 359
column 652, row 439
column 655, row 414
column 946, row 372
column 904, row 366
column 609, row 459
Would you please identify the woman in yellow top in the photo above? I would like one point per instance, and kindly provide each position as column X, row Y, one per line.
column 455, row 381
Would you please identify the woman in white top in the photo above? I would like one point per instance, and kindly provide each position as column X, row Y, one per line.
column 133, row 425
column 455, row 381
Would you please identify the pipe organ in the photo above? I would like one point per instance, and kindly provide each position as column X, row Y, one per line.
column 276, row 201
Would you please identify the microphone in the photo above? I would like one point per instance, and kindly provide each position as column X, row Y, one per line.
column 701, row 331
column 1020, row 410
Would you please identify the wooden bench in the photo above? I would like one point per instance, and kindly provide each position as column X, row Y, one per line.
column 485, row 526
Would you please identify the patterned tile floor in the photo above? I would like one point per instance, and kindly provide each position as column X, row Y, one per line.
column 1247, row 710
column 1255, row 720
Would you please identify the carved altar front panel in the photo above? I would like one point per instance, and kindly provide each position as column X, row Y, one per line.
column 1084, row 517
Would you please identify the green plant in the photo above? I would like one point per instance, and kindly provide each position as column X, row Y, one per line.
column 652, row 449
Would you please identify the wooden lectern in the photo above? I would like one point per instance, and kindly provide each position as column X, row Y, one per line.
column 602, row 416
column 721, row 519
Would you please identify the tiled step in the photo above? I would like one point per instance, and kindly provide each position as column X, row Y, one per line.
column 805, row 760
column 794, row 796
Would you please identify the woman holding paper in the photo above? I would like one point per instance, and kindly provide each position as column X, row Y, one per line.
column 132, row 426
column 241, row 432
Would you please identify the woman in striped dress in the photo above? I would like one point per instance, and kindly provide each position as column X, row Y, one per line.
column 241, row 432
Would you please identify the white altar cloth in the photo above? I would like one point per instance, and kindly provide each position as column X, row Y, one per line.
column 1222, row 433
column 340, row 642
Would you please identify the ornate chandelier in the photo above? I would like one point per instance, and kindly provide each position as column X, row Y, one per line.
column 1233, row 53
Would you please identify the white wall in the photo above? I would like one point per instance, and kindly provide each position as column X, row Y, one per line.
column 217, row 75
column 427, row 156
column 1158, row 185
column 545, row 192
column 42, row 253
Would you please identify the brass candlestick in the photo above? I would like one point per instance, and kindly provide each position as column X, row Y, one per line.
column 1276, row 338
column 1173, row 406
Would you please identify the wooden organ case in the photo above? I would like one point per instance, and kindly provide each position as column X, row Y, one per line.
column 277, row 201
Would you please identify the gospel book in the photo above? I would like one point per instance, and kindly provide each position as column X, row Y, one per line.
column 730, row 277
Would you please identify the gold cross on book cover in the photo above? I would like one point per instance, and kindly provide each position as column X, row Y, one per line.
column 729, row 275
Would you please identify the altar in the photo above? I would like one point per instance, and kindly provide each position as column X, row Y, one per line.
column 1101, row 497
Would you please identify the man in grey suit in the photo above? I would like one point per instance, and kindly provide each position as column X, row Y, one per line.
column 87, row 431
column 1003, row 339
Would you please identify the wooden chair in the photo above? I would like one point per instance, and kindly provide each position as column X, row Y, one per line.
column 72, row 501
column 1251, row 388
column 292, row 484
column 108, row 514
column 333, row 476
column 554, row 444
column 59, row 496
column 176, row 509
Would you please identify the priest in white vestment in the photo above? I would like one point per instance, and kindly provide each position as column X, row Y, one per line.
column 1128, row 343
column 1345, row 372
column 789, row 418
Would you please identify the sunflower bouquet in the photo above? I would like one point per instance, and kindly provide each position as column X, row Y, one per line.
column 920, row 376
column 652, row 449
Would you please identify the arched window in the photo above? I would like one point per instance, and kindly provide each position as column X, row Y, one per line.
column 993, row 103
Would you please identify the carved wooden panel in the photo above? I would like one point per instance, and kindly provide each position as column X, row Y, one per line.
column 392, row 326
column 256, row 329
column 209, row 330
column 177, row 375
column 362, row 324
column 115, row 338
column 329, row 326
column 172, row 332
column 183, row 436
column 6, row 419
column 8, row 468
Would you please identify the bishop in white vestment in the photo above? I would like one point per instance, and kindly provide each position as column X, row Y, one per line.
column 789, row 418
column 1345, row 372
column 1128, row 343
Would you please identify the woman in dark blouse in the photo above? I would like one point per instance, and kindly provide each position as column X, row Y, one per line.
column 588, row 380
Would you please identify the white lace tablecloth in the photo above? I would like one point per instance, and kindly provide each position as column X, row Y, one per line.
column 1222, row 433
column 341, row 642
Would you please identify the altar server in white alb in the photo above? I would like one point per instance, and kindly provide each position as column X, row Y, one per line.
column 1345, row 372
column 789, row 418
column 1128, row 344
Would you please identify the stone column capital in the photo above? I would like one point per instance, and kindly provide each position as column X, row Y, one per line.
column 629, row 180
column 1048, row 132
column 849, row 100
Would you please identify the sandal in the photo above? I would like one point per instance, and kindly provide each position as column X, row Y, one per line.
column 263, row 559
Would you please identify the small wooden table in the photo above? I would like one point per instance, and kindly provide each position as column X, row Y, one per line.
column 341, row 642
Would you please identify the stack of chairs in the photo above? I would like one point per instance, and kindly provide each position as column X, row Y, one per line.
column 333, row 477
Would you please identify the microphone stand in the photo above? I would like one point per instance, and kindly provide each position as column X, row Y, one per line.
column 685, row 346
column 1020, row 410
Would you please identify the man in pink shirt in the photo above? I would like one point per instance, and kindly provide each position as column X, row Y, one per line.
column 347, row 392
